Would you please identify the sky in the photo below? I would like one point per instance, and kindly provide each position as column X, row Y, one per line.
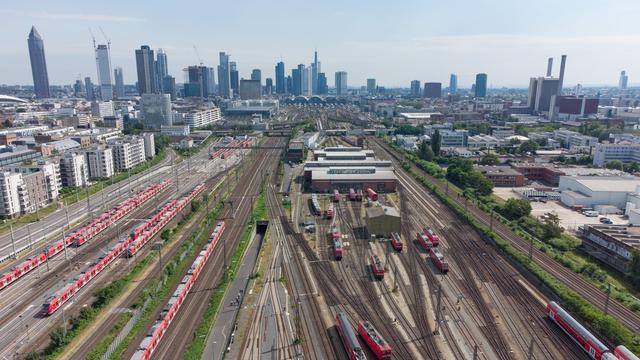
column 392, row 41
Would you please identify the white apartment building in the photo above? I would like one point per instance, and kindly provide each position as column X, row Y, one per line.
column 572, row 138
column 102, row 108
column 51, row 174
column 202, row 117
column 100, row 163
column 149, row 145
column 624, row 151
column 128, row 152
column 13, row 194
column 483, row 141
column 453, row 138
column 73, row 170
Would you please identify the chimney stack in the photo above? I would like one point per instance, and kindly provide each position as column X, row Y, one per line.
column 549, row 67
column 561, row 77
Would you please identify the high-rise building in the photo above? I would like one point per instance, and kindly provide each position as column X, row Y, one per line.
column 89, row 90
column 481, row 85
column 149, row 145
column 169, row 86
column 288, row 84
column 250, row 89
column 432, row 90
column 161, row 68
column 105, row 81
column 199, row 81
column 78, row 88
column 453, row 83
column 38, row 65
column 307, row 74
column 563, row 62
column 99, row 162
column 341, row 83
column 256, row 74
column 73, row 170
column 268, row 86
column 314, row 73
column 371, row 86
column 296, row 79
column 117, row 74
column 234, row 78
column 145, row 64
column 541, row 92
column 280, row 79
column 323, row 86
column 156, row 110
column 415, row 89
column 624, row 79
column 224, row 76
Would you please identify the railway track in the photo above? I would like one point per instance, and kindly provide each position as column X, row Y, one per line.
column 573, row 281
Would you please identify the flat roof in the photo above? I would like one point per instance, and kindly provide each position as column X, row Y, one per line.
column 607, row 183
column 418, row 115
column 379, row 175
column 497, row 170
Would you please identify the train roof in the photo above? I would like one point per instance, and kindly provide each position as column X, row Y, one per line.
column 348, row 332
column 373, row 334
column 577, row 326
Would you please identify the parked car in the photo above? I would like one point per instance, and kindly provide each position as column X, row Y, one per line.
column 606, row 220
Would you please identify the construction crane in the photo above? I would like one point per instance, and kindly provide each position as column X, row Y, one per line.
column 105, row 37
column 198, row 55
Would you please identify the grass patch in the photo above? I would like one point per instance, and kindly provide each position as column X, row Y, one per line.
column 102, row 347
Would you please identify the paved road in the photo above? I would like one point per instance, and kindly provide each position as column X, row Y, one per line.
column 52, row 224
column 225, row 319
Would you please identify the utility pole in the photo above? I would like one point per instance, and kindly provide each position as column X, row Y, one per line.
column 64, row 244
column 530, row 355
column 438, row 310
column 531, row 250
column 29, row 231
column 491, row 221
column 13, row 242
column 88, row 201
column 606, row 302
column 66, row 213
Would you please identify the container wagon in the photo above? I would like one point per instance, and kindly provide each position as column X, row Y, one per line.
column 374, row 340
column 349, row 339
column 438, row 260
column 376, row 267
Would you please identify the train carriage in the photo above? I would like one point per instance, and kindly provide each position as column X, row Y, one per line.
column 433, row 237
column 336, row 196
column 438, row 260
column 349, row 339
column 372, row 195
column 424, row 241
column 396, row 241
column 376, row 267
column 337, row 249
column 621, row 352
column 374, row 340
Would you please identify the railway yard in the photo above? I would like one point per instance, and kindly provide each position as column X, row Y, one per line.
column 423, row 285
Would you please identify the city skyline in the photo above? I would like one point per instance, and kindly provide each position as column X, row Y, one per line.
column 509, row 49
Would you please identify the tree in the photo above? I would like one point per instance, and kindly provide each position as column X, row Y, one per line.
column 481, row 184
column 425, row 152
column 632, row 167
column 406, row 129
column 551, row 227
column 516, row 208
column 634, row 269
column 436, row 140
column 528, row 147
column 490, row 159
column 615, row 165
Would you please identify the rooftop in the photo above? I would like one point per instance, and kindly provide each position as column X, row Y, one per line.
column 607, row 183
column 497, row 170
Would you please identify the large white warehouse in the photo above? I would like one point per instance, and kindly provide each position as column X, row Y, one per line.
column 596, row 191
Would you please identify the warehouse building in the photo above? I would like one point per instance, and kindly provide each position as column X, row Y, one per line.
column 611, row 244
column 502, row 175
column 382, row 220
column 597, row 192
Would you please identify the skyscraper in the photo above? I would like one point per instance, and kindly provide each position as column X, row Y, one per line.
column 296, row 80
column 38, row 65
column 117, row 74
column 105, row 81
column 250, row 89
column 268, row 86
column 432, row 90
column 280, row 79
column 341, row 83
column 88, row 88
column 415, row 88
column 78, row 88
column 481, row 85
column 234, row 78
column 314, row 73
column 199, row 81
column 224, row 76
column 145, row 64
column 371, row 86
column 323, row 86
column 162, row 69
column 453, row 83
column 256, row 74
column 624, row 79
column 169, row 86
column 307, row 75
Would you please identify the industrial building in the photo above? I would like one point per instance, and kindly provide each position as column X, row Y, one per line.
column 344, row 168
column 611, row 244
column 602, row 193
column 382, row 220
column 502, row 175
column 546, row 173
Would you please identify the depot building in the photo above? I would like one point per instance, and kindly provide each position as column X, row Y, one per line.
column 348, row 168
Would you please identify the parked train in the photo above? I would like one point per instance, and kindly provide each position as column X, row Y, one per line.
column 349, row 339
column 438, row 260
column 374, row 340
column 315, row 205
column 337, row 249
column 359, row 195
column 352, row 194
column 157, row 222
column 435, row 239
column 329, row 214
column 151, row 341
column 396, row 241
column 372, row 195
column 83, row 234
column 336, row 196
column 376, row 267
column 228, row 149
column 587, row 341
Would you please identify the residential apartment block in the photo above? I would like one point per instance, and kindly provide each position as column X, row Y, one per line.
column 73, row 170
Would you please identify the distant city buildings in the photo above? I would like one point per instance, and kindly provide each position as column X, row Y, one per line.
column 371, row 86
column 250, row 89
column 256, row 74
column 341, row 83
column 453, row 83
column 119, row 78
column 481, row 85
column 234, row 79
column 432, row 90
column 200, row 81
column 145, row 65
column 105, row 80
column 224, row 76
column 323, row 86
column 415, row 89
column 280, row 79
column 38, row 65
column 89, row 89
column 161, row 69
column 624, row 79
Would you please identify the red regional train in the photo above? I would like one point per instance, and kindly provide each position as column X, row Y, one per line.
column 349, row 339
column 372, row 194
column 622, row 353
column 435, row 239
column 359, row 195
column 352, row 194
column 337, row 249
column 438, row 260
column 589, row 343
column 336, row 196
column 424, row 241
column 374, row 340
column 396, row 241
column 330, row 212
column 376, row 267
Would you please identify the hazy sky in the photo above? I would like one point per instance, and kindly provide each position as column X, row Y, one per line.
column 392, row 41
